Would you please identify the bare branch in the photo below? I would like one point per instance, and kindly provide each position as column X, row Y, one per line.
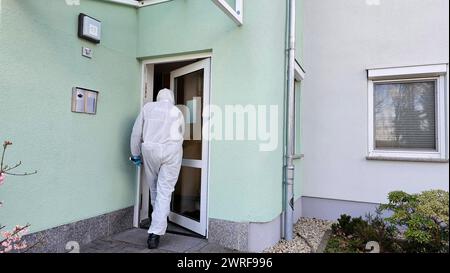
column 20, row 174
column 33, row 246
column 16, row 232
column 13, row 167
column 40, row 241
column 3, row 157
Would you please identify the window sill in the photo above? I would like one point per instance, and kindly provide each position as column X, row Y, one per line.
column 407, row 159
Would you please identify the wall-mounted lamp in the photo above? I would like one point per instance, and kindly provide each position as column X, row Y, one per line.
column 89, row 28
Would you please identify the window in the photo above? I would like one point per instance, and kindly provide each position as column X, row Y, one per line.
column 407, row 113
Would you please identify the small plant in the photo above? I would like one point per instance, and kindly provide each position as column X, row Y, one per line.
column 374, row 228
column 12, row 240
column 355, row 233
column 343, row 225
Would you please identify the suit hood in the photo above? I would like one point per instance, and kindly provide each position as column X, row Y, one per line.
column 166, row 95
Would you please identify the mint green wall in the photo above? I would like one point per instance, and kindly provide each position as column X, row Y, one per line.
column 247, row 68
column 81, row 159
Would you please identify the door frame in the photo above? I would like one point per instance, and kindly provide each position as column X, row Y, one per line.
column 202, row 164
column 147, row 83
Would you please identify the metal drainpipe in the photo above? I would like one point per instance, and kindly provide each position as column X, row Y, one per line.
column 290, row 152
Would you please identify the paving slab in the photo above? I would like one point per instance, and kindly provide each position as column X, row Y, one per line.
column 131, row 236
column 170, row 242
column 197, row 248
column 215, row 248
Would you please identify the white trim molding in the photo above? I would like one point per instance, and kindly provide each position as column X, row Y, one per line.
column 407, row 72
column 176, row 58
column 438, row 73
column 236, row 14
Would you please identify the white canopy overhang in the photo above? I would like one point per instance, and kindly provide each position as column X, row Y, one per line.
column 236, row 13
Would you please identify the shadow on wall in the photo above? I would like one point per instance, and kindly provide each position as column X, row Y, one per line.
column 125, row 143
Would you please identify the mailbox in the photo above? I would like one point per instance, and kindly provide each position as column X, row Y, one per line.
column 84, row 100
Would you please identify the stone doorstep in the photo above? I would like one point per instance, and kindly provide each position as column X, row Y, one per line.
column 169, row 242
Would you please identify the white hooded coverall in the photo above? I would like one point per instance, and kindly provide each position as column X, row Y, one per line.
column 158, row 136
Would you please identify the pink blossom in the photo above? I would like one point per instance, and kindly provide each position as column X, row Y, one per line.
column 2, row 178
column 13, row 239
column 20, row 230
column 21, row 245
column 9, row 248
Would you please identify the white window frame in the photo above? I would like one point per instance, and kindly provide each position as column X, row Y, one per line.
column 299, row 76
column 410, row 74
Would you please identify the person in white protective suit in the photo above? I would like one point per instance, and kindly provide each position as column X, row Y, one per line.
column 158, row 136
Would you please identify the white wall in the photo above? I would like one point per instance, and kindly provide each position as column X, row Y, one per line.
column 342, row 38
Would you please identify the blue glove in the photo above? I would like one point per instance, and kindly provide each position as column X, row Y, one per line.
column 137, row 160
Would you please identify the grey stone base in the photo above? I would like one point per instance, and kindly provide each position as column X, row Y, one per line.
column 229, row 234
column 331, row 209
column 256, row 237
column 245, row 237
column 249, row 236
column 83, row 232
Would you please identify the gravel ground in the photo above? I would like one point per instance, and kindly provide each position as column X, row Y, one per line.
column 311, row 230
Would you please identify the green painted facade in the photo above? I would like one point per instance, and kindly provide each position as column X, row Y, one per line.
column 83, row 160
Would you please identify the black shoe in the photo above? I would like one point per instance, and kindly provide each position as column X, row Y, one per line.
column 153, row 241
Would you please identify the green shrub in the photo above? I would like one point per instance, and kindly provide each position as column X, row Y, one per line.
column 355, row 233
column 344, row 225
column 421, row 220
column 418, row 223
column 376, row 229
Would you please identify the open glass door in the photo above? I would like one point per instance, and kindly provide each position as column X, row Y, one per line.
column 191, row 85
